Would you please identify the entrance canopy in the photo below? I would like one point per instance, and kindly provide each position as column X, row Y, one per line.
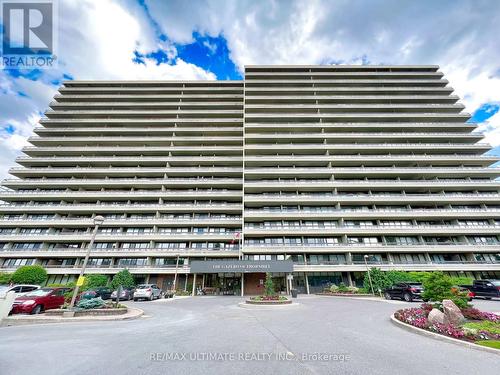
column 245, row 266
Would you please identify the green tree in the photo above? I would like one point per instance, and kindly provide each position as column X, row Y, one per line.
column 269, row 286
column 379, row 280
column 95, row 281
column 123, row 278
column 437, row 287
column 5, row 277
column 29, row 275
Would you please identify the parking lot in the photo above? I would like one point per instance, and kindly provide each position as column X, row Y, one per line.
column 200, row 335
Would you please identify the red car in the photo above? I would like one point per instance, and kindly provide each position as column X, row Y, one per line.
column 39, row 300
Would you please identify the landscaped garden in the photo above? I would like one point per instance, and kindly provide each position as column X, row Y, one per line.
column 343, row 290
column 270, row 297
column 450, row 314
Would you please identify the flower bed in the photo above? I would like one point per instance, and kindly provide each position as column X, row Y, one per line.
column 480, row 326
column 268, row 300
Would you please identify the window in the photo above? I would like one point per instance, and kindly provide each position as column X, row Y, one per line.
column 27, row 246
column 135, row 245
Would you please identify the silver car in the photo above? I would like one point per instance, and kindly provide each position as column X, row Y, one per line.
column 19, row 289
column 147, row 291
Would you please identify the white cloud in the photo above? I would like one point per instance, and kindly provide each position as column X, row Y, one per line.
column 97, row 40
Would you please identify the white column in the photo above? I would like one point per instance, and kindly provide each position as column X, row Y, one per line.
column 242, row 284
column 194, row 284
column 307, row 284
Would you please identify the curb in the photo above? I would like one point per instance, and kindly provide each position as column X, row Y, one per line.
column 437, row 336
column 132, row 314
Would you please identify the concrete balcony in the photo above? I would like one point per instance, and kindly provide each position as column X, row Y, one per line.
column 306, row 91
column 123, row 140
column 329, row 74
column 111, row 105
column 397, row 214
column 176, row 98
column 146, row 122
column 125, row 114
column 90, row 208
column 132, row 130
column 363, row 249
column 355, row 117
column 188, row 182
column 127, row 171
column 384, row 266
column 371, row 137
column 351, row 108
column 366, row 148
column 253, row 200
column 117, row 237
column 134, row 150
column 271, row 83
column 307, row 98
column 230, row 195
column 149, row 161
column 376, row 230
column 323, row 127
column 117, row 253
column 370, row 160
column 66, row 222
column 361, row 172
column 433, row 185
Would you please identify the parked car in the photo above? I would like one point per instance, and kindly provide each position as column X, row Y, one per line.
column 103, row 292
column 147, row 291
column 487, row 289
column 18, row 289
column 407, row 291
column 126, row 294
column 39, row 300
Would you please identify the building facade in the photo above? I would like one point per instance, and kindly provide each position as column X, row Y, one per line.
column 335, row 168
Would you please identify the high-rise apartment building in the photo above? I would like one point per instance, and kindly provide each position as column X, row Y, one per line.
column 335, row 168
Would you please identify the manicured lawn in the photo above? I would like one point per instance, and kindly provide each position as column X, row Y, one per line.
column 485, row 325
column 489, row 343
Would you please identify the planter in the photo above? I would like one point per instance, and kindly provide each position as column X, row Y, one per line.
column 90, row 312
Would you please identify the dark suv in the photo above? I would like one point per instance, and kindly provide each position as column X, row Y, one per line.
column 407, row 291
column 103, row 292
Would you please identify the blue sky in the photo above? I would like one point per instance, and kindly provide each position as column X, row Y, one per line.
column 201, row 39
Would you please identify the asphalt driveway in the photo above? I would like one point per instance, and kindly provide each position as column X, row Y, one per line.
column 205, row 335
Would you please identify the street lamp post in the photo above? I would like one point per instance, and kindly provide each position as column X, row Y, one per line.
column 98, row 220
column 368, row 271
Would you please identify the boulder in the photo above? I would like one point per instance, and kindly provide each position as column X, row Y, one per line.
column 436, row 316
column 452, row 314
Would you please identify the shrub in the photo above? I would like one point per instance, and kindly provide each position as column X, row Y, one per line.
column 334, row 288
column 437, row 287
column 379, row 280
column 5, row 277
column 416, row 317
column 29, row 275
column 342, row 288
column 123, row 278
column 94, row 281
column 475, row 314
column 269, row 285
column 352, row 289
column 93, row 303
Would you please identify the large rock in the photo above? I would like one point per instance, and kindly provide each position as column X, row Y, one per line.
column 436, row 316
column 452, row 314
